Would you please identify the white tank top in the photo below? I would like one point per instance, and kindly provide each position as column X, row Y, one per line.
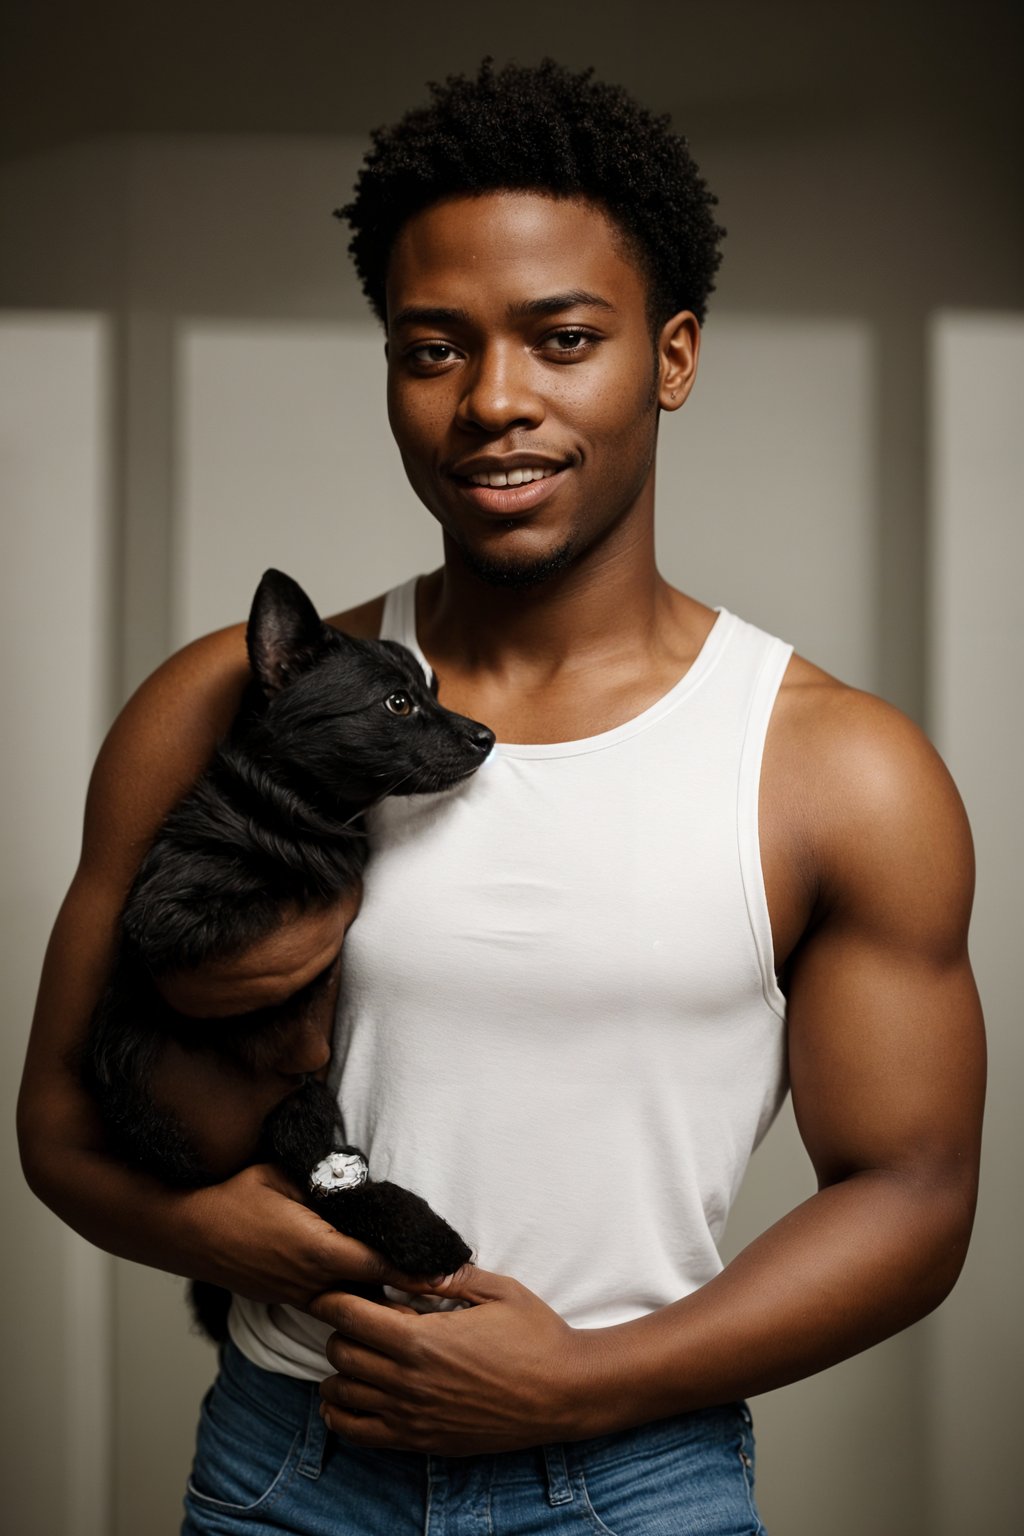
column 560, row 1021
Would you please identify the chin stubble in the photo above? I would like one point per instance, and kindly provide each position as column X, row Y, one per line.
column 520, row 573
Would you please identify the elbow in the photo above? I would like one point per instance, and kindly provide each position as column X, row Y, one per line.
column 939, row 1234
column 53, row 1144
column 38, row 1165
column 954, row 1242
column 911, row 1228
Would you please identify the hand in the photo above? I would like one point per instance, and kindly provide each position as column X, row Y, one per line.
column 253, row 1235
column 505, row 1373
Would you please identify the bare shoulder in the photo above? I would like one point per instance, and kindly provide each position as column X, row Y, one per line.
column 816, row 711
column 850, row 748
column 871, row 806
column 158, row 746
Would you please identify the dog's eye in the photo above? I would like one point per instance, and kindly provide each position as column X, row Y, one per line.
column 399, row 703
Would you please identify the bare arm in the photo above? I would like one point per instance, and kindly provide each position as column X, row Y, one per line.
column 887, row 1067
column 247, row 1233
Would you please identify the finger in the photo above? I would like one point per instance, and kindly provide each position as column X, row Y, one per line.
column 365, row 1430
column 365, row 1322
column 345, row 1259
column 355, row 1397
column 355, row 1362
column 472, row 1284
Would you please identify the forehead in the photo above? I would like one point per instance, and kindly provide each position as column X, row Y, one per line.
column 503, row 249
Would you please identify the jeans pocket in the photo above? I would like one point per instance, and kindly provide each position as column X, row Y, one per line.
column 244, row 1459
column 692, row 1476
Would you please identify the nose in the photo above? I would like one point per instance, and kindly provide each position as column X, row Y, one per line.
column 482, row 739
column 500, row 391
column 305, row 1049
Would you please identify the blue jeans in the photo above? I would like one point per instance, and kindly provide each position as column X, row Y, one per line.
column 265, row 1465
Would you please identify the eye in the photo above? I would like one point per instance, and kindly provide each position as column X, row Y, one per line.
column 570, row 342
column 431, row 354
column 399, row 703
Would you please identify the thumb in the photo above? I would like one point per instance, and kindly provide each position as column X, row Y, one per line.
column 475, row 1285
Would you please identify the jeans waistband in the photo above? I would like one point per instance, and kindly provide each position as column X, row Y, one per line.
column 297, row 1404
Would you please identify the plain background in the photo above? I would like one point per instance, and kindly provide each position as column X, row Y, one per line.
column 193, row 390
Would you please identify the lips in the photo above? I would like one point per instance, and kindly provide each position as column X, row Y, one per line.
column 508, row 493
column 508, row 484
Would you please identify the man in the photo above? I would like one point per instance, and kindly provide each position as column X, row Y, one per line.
column 563, row 1002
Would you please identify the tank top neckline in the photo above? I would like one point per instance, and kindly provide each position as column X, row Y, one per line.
column 400, row 624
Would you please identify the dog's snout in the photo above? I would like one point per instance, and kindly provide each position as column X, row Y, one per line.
column 482, row 739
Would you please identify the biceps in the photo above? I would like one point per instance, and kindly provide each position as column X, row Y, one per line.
column 887, row 1059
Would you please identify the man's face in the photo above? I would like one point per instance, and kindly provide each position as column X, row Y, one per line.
column 522, row 379
column 211, row 1096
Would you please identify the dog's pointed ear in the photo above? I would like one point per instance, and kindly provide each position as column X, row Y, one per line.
column 285, row 635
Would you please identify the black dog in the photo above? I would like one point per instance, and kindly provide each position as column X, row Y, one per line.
column 328, row 726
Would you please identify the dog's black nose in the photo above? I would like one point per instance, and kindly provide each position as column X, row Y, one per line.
column 482, row 739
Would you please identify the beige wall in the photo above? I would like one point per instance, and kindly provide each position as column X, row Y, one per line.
column 56, row 1402
column 236, row 415
column 976, row 1350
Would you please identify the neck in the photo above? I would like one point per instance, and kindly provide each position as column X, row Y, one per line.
column 609, row 604
column 570, row 657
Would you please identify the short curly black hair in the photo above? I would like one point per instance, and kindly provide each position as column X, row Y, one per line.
column 543, row 128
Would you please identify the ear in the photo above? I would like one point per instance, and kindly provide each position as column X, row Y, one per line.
column 678, row 351
column 285, row 635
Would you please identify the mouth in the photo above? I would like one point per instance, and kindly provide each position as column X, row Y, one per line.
column 440, row 779
column 511, row 492
column 517, row 475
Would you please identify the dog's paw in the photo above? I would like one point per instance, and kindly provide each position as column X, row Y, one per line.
column 437, row 1250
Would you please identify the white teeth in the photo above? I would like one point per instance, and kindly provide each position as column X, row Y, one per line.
column 514, row 477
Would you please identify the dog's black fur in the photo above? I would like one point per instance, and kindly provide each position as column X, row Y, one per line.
column 328, row 726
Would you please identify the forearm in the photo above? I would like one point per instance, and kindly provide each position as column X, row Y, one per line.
column 249, row 1231
column 853, row 1265
column 119, row 1209
column 250, row 1234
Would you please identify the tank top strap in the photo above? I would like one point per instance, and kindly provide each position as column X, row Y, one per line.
column 398, row 621
column 772, row 658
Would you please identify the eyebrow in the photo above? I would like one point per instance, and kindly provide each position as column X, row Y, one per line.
column 575, row 298
column 552, row 304
column 425, row 314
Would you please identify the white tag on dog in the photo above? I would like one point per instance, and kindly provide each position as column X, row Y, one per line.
column 339, row 1171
